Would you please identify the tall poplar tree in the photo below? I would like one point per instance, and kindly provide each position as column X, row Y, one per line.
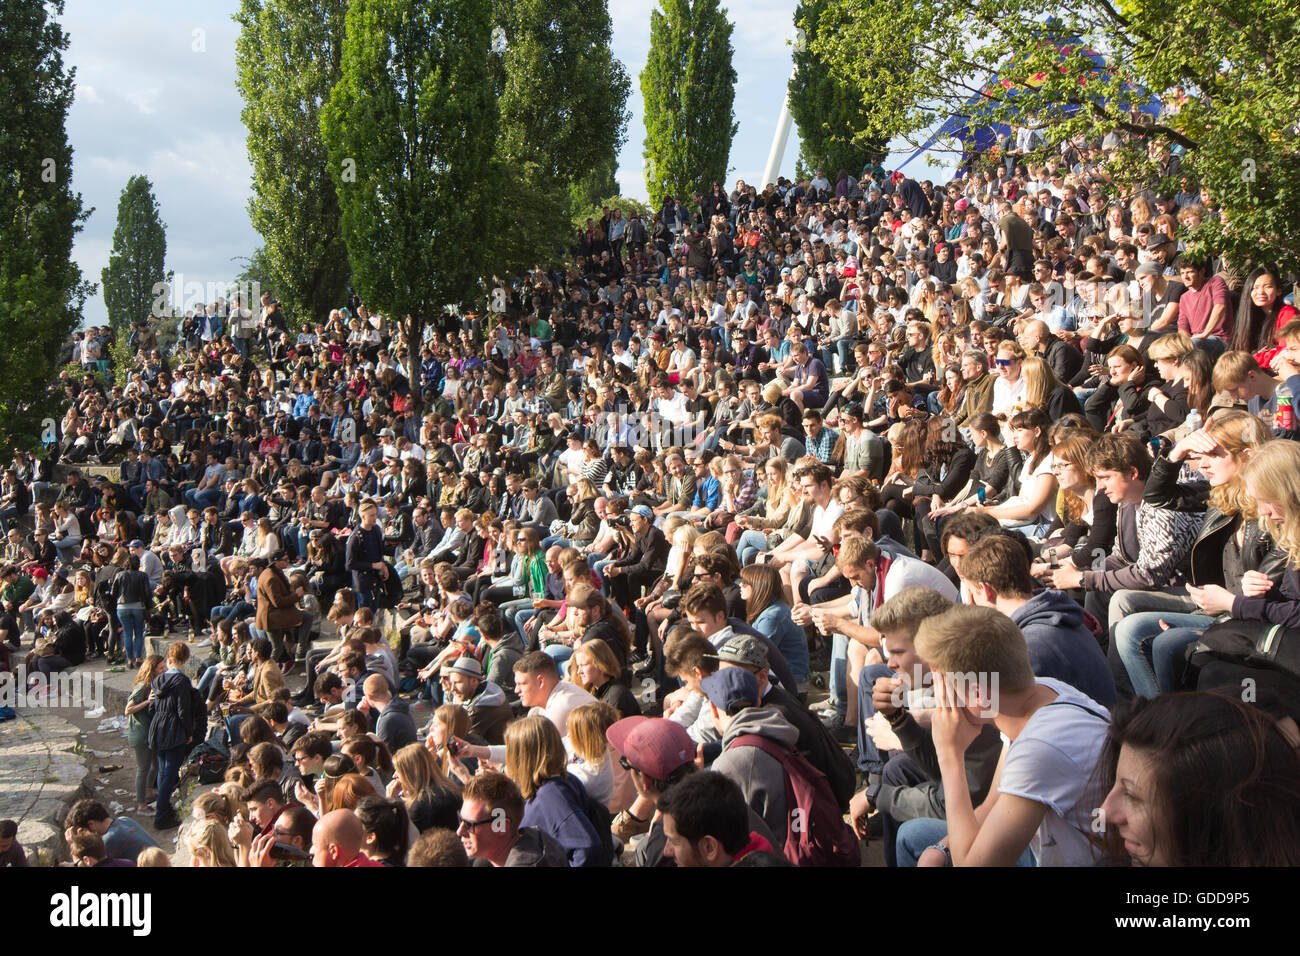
column 829, row 113
column 136, row 263
column 689, row 88
column 41, row 289
column 563, row 115
column 411, row 128
column 288, row 58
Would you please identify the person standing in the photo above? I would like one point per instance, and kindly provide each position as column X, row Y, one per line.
column 365, row 557
column 277, row 607
column 170, row 730
column 137, row 728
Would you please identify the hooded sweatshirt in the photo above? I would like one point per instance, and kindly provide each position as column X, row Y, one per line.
column 182, row 532
column 760, row 777
column 1061, row 647
column 394, row 726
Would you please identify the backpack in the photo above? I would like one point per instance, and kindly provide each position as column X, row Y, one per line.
column 198, row 715
column 210, row 763
column 818, row 836
column 1254, row 644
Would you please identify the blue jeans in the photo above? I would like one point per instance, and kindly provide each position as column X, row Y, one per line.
column 598, row 567
column 915, row 835
column 522, row 617
column 559, row 653
column 205, row 681
column 1143, row 646
column 229, row 612
column 169, row 772
column 749, row 544
column 132, row 621
column 510, row 609
column 869, row 758
column 839, row 677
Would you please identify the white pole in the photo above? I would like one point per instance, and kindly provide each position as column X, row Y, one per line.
column 779, row 141
column 782, row 137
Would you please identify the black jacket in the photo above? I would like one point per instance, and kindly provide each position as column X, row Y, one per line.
column 649, row 554
column 1064, row 358
column 172, row 711
column 1258, row 551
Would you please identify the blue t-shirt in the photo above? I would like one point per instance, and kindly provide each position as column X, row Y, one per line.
column 125, row 839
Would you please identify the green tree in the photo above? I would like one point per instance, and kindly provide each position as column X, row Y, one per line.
column 41, row 289
column 288, row 58
column 689, row 87
column 1233, row 134
column 829, row 114
column 563, row 117
column 602, row 180
column 136, row 263
column 415, row 116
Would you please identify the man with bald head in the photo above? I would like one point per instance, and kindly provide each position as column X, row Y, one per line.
column 336, row 841
column 1036, row 338
column 390, row 715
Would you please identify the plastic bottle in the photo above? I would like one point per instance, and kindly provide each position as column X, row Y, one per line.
column 1193, row 421
column 1285, row 417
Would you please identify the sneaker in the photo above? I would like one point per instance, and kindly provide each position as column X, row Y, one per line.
column 626, row 826
column 169, row 822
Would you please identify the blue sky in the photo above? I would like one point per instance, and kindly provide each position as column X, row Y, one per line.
column 156, row 95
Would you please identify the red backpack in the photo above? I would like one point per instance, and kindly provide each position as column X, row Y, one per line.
column 816, row 834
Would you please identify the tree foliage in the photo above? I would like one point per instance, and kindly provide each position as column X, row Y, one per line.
column 137, row 262
column 563, row 116
column 415, row 112
column 1238, row 62
column 830, row 115
column 288, row 59
column 689, row 87
column 41, row 289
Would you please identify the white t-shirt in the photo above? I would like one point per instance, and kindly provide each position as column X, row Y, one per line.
column 824, row 518
column 1006, row 397
column 1052, row 762
column 903, row 572
column 1027, row 474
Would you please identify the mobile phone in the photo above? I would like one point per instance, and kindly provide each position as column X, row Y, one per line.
column 453, row 747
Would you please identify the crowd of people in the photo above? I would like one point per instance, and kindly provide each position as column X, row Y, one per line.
column 962, row 517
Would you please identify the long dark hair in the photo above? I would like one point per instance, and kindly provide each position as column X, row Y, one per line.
column 1035, row 418
column 1225, row 780
column 1256, row 329
column 1200, row 389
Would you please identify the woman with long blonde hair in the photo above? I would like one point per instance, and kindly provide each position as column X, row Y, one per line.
column 556, row 801
column 769, row 514
column 1044, row 390
column 432, row 799
column 210, row 845
column 1235, row 552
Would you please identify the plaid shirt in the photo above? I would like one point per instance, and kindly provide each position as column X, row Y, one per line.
column 747, row 495
column 822, row 446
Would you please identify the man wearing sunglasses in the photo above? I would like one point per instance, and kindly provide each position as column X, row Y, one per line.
column 491, row 810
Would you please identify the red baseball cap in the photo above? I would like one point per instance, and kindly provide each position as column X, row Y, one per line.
column 652, row 745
